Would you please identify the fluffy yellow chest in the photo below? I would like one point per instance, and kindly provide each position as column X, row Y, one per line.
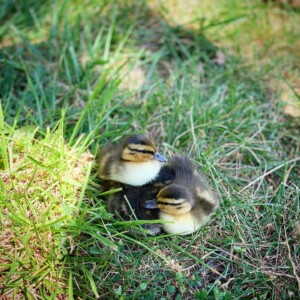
column 136, row 174
column 181, row 224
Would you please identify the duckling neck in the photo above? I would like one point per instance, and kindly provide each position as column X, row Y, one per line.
column 181, row 224
column 137, row 173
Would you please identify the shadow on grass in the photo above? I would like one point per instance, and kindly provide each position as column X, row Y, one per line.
column 22, row 12
column 59, row 72
column 39, row 79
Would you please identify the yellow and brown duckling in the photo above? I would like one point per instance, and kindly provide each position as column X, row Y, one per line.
column 134, row 166
column 187, row 202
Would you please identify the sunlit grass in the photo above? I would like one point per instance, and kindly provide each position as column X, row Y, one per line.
column 75, row 75
column 39, row 196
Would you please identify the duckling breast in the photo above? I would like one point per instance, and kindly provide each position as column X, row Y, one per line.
column 181, row 224
column 137, row 173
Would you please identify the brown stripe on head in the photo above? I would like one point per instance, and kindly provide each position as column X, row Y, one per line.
column 170, row 201
column 178, row 207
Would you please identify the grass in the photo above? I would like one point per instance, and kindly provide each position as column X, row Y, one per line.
column 74, row 76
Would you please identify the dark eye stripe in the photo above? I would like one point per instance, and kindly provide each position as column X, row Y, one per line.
column 168, row 203
column 141, row 151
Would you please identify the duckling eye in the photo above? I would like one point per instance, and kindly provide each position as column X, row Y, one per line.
column 169, row 203
column 146, row 152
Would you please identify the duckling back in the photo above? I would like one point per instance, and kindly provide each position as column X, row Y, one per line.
column 185, row 173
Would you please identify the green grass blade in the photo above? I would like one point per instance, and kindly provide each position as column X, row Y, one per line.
column 4, row 143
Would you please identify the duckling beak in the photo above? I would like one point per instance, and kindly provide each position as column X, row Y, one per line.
column 150, row 204
column 159, row 157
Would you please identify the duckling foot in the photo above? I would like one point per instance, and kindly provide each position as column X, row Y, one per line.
column 147, row 229
column 152, row 229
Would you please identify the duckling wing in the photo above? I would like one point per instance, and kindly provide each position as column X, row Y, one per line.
column 206, row 200
column 105, row 159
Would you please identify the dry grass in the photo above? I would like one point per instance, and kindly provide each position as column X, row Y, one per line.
column 41, row 188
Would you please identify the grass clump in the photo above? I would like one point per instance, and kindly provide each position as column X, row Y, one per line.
column 40, row 187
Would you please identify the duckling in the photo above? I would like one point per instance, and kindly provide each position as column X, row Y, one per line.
column 134, row 166
column 134, row 161
column 187, row 202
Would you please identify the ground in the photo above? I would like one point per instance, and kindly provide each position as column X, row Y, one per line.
column 215, row 80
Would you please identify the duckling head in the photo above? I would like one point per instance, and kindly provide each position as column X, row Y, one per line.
column 178, row 208
column 172, row 200
column 134, row 161
column 139, row 148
